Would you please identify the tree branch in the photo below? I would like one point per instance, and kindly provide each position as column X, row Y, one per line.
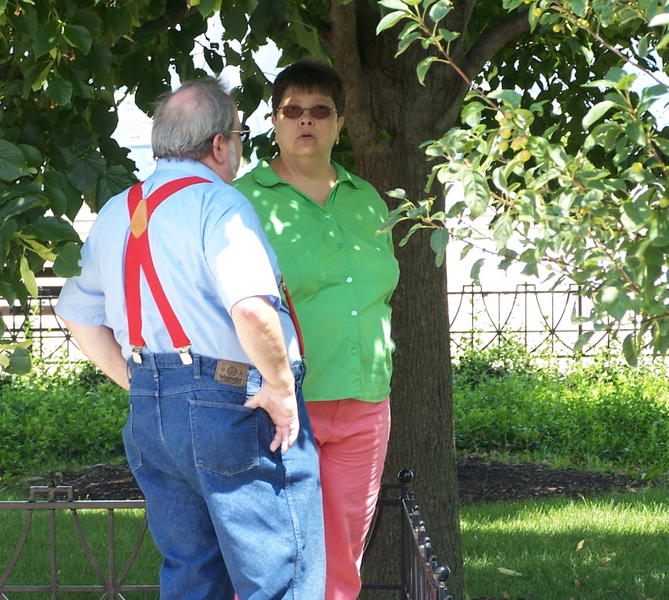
column 465, row 9
column 343, row 45
column 492, row 41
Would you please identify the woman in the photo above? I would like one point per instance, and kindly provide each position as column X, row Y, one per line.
column 322, row 222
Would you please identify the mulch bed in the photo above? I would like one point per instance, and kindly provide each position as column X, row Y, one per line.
column 479, row 480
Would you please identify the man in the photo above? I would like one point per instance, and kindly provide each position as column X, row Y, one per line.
column 177, row 301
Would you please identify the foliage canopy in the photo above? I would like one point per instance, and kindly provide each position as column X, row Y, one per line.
column 560, row 151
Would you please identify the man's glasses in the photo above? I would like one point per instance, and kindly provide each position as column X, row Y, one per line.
column 244, row 133
column 293, row 111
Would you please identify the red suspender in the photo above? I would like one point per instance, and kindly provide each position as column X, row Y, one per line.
column 293, row 317
column 138, row 256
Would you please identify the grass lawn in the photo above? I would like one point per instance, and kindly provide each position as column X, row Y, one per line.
column 614, row 547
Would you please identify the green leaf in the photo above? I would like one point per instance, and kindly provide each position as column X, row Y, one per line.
column 12, row 162
column 635, row 132
column 52, row 229
column 630, row 350
column 47, row 38
column 510, row 98
column 28, row 277
column 308, row 38
column 17, row 206
column 636, row 215
column 390, row 20
column 476, row 269
column 78, row 36
column 207, row 7
column 660, row 20
column 394, row 4
column 438, row 241
column 397, row 193
column 578, row 7
column 440, row 9
column 40, row 249
column 582, row 340
column 19, row 362
column 67, row 261
column 57, row 189
column 471, row 113
column 119, row 20
column 406, row 40
column 32, row 155
column 59, row 90
column 476, row 193
column 448, row 35
column 112, row 182
column 664, row 42
column 597, row 112
column 35, row 75
column 502, row 231
column 511, row 4
column 85, row 172
column 423, row 66
column 614, row 300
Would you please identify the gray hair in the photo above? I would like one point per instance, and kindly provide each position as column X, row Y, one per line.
column 186, row 120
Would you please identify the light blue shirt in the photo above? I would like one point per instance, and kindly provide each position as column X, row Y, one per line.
column 209, row 251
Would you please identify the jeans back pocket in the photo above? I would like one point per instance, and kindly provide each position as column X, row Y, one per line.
column 224, row 436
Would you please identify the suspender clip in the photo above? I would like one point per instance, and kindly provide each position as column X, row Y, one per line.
column 137, row 354
column 184, row 355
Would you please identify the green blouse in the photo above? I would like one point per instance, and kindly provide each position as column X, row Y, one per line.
column 340, row 273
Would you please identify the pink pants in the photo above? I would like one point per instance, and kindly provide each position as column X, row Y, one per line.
column 352, row 439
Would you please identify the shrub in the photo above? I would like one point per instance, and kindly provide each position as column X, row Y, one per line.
column 603, row 412
column 59, row 415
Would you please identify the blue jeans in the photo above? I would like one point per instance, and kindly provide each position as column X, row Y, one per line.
column 225, row 512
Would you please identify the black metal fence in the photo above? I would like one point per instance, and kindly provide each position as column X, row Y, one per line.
column 421, row 576
column 542, row 320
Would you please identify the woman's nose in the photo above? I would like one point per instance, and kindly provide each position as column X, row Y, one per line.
column 305, row 117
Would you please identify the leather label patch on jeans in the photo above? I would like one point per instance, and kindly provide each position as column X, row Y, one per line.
column 231, row 372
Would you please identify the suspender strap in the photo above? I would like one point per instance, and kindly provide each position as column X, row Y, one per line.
column 138, row 256
column 293, row 316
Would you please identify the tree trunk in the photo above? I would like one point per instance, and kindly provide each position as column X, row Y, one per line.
column 422, row 437
column 388, row 116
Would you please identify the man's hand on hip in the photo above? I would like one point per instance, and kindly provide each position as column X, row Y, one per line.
column 282, row 409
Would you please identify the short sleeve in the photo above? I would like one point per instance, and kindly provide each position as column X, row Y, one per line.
column 82, row 299
column 239, row 255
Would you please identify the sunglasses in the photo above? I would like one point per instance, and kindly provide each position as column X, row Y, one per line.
column 293, row 111
column 244, row 133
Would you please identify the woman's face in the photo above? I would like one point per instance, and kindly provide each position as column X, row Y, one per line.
column 306, row 136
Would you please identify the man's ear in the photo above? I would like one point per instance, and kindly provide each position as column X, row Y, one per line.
column 220, row 149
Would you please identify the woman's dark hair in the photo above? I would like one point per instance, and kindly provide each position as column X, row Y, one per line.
column 311, row 76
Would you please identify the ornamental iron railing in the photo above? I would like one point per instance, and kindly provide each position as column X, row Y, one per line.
column 421, row 577
column 110, row 577
column 542, row 320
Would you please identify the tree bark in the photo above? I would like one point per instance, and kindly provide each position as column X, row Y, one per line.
column 388, row 116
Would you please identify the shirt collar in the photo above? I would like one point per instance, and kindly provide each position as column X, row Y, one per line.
column 187, row 166
column 265, row 175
